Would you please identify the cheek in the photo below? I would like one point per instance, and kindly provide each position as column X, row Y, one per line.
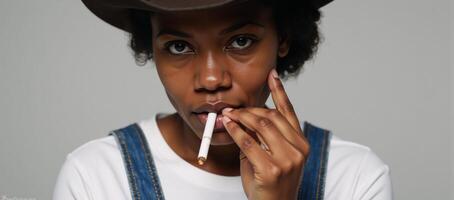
column 251, row 74
column 175, row 90
column 253, row 84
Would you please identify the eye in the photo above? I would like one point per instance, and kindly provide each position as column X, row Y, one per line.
column 242, row 42
column 178, row 47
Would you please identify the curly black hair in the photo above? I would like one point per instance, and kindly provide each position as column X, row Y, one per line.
column 297, row 20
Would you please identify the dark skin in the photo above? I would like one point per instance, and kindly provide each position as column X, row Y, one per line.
column 229, row 54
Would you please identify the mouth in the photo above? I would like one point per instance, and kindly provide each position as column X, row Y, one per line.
column 218, row 126
column 202, row 113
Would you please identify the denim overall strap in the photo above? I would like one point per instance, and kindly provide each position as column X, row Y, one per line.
column 142, row 175
column 313, row 183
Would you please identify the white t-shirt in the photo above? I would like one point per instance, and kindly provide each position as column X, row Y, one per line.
column 96, row 171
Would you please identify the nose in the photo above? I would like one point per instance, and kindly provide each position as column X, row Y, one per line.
column 211, row 74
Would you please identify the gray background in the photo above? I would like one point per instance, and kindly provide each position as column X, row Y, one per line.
column 382, row 78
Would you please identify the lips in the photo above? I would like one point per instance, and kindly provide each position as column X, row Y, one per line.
column 202, row 113
column 218, row 126
column 215, row 107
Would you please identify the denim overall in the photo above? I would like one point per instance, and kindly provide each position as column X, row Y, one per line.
column 144, row 181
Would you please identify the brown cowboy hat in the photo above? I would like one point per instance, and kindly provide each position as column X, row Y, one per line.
column 116, row 12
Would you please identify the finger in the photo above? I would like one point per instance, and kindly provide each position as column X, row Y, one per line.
column 249, row 147
column 263, row 127
column 283, row 154
column 295, row 137
column 257, row 137
column 281, row 100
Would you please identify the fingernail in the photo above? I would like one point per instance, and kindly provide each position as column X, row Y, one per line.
column 274, row 74
column 242, row 156
column 226, row 110
column 226, row 119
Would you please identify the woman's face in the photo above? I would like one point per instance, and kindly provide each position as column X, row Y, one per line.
column 214, row 58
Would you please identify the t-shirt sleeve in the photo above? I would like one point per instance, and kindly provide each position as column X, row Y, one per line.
column 374, row 182
column 71, row 182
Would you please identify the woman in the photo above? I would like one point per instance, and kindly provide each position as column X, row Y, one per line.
column 224, row 57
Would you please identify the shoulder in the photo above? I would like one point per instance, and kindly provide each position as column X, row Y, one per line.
column 90, row 170
column 355, row 171
column 94, row 157
column 343, row 151
column 95, row 149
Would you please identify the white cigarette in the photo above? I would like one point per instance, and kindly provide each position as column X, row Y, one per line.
column 206, row 138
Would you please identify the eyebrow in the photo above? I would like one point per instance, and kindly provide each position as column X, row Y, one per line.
column 230, row 29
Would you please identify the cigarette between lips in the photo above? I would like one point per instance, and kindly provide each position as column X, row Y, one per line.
column 206, row 138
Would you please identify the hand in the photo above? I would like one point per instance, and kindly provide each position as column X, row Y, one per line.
column 273, row 156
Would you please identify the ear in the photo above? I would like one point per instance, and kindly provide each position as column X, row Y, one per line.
column 284, row 46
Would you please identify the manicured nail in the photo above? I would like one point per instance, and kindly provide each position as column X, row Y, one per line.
column 226, row 119
column 274, row 74
column 226, row 110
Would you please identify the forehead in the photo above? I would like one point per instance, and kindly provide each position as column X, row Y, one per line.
column 214, row 18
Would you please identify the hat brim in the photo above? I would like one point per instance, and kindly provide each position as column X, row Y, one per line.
column 116, row 12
